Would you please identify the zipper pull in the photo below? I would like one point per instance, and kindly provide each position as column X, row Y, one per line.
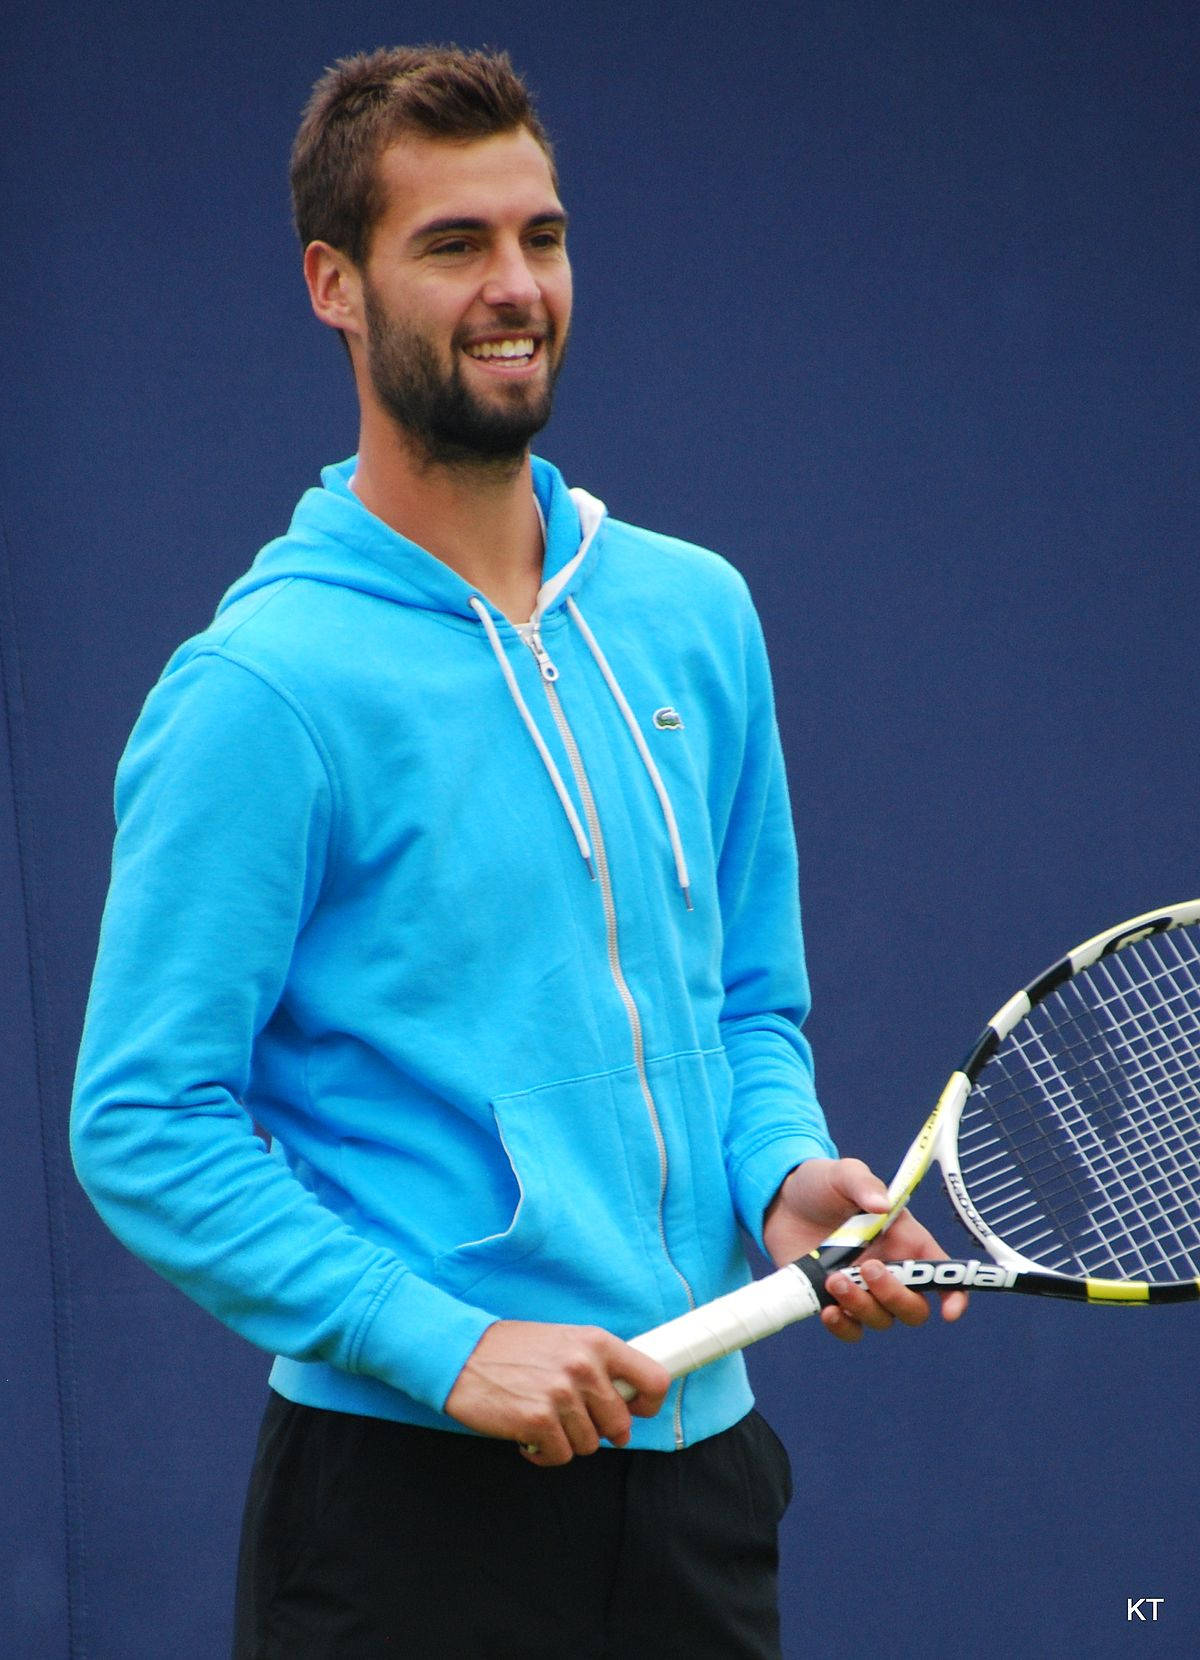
column 545, row 662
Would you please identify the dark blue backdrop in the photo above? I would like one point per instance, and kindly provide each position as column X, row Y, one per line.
column 892, row 301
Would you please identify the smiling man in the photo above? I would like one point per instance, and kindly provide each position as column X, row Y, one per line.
column 456, row 316
column 465, row 367
column 446, row 1026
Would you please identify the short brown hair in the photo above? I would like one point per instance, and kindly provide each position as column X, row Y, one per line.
column 363, row 104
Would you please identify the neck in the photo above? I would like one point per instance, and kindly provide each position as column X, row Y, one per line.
column 480, row 518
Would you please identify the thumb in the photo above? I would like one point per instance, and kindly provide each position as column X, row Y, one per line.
column 863, row 1188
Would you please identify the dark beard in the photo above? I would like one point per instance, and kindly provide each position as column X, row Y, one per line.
column 436, row 409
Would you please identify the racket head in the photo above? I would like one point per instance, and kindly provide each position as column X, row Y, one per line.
column 1070, row 1136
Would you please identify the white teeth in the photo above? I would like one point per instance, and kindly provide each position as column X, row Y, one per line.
column 520, row 347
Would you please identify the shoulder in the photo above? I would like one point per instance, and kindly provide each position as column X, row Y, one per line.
column 294, row 635
column 672, row 552
column 241, row 683
column 651, row 562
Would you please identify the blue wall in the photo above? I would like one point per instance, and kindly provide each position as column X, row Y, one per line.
column 895, row 303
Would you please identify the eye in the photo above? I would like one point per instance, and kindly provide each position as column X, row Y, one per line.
column 547, row 245
column 452, row 247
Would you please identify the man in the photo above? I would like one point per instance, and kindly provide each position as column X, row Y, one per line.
column 445, row 1029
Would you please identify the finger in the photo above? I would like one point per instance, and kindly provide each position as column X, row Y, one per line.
column 545, row 1443
column 580, row 1431
column 642, row 1382
column 862, row 1187
column 841, row 1325
column 860, row 1303
column 610, row 1415
column 547, row 1458
column 954, row 1305
column 643, row 1405
column 906, row 1237
column 902, row 1303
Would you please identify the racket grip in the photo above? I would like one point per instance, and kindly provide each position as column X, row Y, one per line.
column 727, row 1323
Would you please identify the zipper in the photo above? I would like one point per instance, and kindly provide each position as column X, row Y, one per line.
column 545, row 663
column 549, row 673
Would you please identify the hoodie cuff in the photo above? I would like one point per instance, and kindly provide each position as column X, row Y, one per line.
column 757, row 1178
column 418, row 1339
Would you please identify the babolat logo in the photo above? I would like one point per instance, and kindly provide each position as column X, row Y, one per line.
column 956, row 1273
column 668, row 720
column 982, row 1274
column 959, row 1196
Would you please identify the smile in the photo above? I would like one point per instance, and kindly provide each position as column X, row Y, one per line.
column 520, row 348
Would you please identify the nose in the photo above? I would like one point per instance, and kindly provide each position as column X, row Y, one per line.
column 509, row 280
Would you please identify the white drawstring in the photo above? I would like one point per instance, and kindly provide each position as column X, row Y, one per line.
column 660, row 789
column 560, row 788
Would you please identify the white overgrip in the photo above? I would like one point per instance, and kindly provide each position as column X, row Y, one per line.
column 718, row 1328
column 730, row 1322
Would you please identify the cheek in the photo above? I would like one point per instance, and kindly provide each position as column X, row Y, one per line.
column 437, row 309
column 559, row 299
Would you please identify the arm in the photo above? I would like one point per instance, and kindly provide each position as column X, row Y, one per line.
column 227, row 815
column 790, row 1188
column 775, row 1121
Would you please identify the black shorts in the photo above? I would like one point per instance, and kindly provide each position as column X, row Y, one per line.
column 368, row 1540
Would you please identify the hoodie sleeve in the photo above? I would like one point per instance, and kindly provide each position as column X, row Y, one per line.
column 226, row 808
column 776, row 1121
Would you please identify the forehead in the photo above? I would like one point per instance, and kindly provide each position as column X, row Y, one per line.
column 504, row 177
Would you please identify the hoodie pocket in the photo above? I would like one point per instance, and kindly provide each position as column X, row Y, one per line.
column 584, row 1229
column 463, row 1267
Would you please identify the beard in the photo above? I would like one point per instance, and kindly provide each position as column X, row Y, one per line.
column 437, row 410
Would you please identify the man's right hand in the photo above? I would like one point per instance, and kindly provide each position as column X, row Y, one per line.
column 551, row 1388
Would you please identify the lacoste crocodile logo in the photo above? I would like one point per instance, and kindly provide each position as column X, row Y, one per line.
column 668, row 720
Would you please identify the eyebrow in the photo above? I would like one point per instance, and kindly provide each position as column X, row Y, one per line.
column 437, row 227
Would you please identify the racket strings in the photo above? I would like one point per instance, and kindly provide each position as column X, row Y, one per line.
column 1080, row 1143
column 1129, row 1181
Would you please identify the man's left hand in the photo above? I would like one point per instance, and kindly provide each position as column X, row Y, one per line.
column 817, row 1197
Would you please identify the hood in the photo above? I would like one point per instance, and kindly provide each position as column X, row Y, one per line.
column 334, row 538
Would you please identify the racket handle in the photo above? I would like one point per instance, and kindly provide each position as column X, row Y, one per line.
column 730, row 1322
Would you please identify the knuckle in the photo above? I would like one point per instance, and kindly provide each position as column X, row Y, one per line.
column 612, row 1416
column 579, row 1366
column 553, row 1456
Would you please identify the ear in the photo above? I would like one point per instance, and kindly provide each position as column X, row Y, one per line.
column 334, row 287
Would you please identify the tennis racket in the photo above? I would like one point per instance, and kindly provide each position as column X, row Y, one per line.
column 1068, row 1140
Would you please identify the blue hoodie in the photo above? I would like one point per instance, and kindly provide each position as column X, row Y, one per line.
column 452, row 972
